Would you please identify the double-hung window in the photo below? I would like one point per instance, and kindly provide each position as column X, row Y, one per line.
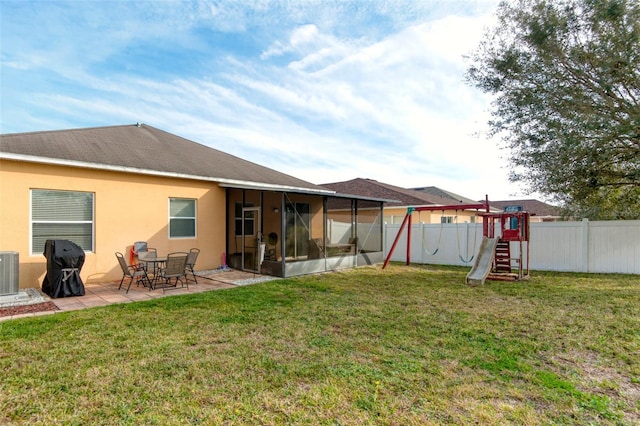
column 182, row 218
column 61, row 215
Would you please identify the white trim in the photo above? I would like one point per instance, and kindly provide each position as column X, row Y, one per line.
column 237, row 184
column 224, row 182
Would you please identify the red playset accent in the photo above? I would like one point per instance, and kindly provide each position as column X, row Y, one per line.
column 507, row 228
column 499, row 230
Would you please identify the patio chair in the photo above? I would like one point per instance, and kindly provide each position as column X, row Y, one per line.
column 272, row 240
column 315, row 249
column 138, row 246
column 135, row 271
column 145, row 255
column 173, row 271
column 191, row 263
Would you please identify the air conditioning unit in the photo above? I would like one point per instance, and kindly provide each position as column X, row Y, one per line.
column 8, row 272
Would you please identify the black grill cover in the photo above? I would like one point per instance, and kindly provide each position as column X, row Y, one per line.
column 64, row 262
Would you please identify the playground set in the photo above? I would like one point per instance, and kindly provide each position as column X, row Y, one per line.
column 503, row 233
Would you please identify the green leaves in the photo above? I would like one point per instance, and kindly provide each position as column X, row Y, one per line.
column 566, row 80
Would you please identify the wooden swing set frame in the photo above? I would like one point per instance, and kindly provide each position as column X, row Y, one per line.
column 406, row 222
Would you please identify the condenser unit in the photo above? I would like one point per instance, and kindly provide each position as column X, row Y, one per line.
column 8, row 272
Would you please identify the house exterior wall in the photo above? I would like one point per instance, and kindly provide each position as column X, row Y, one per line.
column 127, row 208
column 396, row 215
column 316, row 215
column 272, row 220
column 541, row 219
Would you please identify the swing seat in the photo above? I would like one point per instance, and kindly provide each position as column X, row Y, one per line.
column 424, row 242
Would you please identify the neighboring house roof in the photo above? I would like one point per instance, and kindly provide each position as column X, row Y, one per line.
column 451, row 197
column 403, row 196
column 143, row 149
column 371, row 188
column 534, row 207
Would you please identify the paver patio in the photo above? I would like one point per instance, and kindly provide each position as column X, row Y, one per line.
column 107, row 293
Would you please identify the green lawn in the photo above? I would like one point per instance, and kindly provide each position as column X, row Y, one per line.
column 405, row 346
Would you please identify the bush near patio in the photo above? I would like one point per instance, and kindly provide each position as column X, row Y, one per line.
column 407, row 345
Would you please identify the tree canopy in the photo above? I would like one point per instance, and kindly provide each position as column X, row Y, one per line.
column 565, row 75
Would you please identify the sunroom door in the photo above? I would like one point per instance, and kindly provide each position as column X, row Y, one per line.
column 297, row 230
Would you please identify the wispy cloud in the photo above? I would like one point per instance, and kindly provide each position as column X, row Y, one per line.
column 324, row 91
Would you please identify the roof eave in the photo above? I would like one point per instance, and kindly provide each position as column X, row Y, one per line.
column 237, row 184
column 224, row 182
column 364, row 198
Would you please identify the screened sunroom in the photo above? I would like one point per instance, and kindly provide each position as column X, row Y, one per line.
column 289, row 233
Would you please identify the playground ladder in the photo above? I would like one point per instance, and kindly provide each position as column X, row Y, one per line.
column 502, row 259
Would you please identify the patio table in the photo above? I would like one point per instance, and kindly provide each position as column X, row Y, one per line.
column 157, row 262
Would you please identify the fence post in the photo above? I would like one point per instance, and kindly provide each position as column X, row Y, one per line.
column 421, row 262
column 584, row 246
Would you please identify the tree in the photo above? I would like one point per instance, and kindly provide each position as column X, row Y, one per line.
column 566, row 80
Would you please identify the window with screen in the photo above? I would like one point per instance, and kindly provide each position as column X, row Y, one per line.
column 61, row 215
column 182, row 218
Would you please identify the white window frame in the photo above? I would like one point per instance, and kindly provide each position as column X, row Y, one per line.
column 53, row 221
column 240, row 220
column 194, row 218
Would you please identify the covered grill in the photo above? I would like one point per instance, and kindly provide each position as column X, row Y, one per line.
column 64, row 262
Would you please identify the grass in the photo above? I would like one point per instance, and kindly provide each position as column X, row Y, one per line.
column 406, row 346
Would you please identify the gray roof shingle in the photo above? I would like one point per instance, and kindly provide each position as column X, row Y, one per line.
column 373, row 188
column 535, row 207
column 445, row 195
column 142, row 149
column 424, row 196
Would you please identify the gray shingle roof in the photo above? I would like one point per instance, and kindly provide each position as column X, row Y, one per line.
column 535, row 207
column 445, row 195
column 373, row 188
column 143, row 149
column 425, row 196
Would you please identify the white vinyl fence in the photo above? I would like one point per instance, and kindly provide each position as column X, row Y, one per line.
column 368, row 234
column 602, row 246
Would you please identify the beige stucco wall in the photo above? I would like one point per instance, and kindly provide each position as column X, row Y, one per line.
column 316, row 213
column 128, row 208
column 460, row 216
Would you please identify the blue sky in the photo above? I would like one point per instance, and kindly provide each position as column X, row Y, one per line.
column 322, row 90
